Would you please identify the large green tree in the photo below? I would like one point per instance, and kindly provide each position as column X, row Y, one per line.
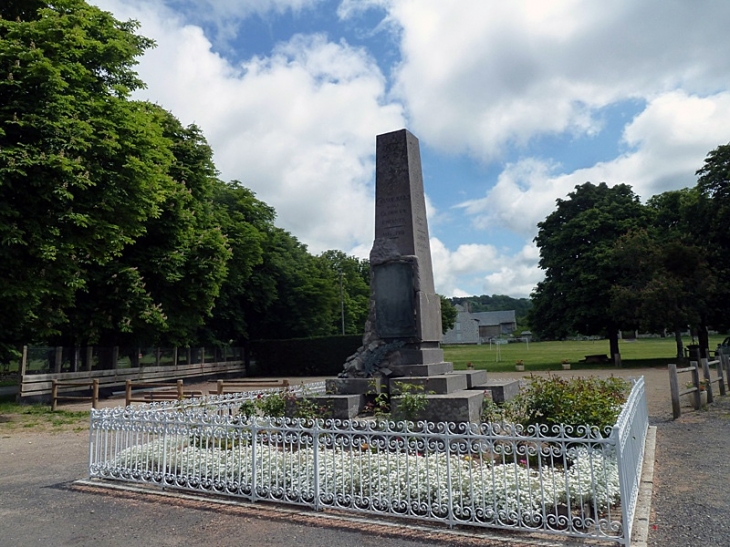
column 575, row 242
column 164, row 283
column 82, row 168
column 107, row 223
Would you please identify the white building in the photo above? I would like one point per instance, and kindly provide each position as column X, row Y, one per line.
column 473, row 328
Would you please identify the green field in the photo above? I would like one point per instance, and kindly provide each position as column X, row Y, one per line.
column 648, row 352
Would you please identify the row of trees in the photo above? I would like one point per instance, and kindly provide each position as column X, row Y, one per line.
column 114, row 228
column 614, row 263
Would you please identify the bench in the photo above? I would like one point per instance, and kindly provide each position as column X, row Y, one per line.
column 593, row 359
column 238, row 386
column 176, row 393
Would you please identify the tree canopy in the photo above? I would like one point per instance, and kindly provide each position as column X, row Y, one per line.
column 114, row 228
column 575, row 243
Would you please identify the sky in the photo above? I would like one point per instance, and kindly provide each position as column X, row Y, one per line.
column 514, row 103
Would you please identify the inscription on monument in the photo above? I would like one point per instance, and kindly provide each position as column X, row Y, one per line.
column 395, row 307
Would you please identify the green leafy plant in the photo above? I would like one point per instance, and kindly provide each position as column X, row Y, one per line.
column 574, row 402
column 411, row 401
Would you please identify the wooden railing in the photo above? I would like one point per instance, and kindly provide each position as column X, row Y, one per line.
column 695, row 386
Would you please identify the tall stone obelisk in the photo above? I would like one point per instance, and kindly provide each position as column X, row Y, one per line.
column 403, row 333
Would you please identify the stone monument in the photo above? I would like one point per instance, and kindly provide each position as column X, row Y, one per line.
column 403, row 332
column 401, row 347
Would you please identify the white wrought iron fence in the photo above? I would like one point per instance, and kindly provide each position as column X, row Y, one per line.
column 580, row 483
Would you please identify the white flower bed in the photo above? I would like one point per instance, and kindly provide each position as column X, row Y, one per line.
column 393, row 478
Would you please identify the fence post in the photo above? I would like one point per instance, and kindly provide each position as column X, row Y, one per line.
column 174, row 356
column 674, row 388
column 24, row 362
column 315, row 443
column 77, row 358
column 219, row 387
column 725, row 363
column 54, row 395
column 127, row 392
column 696, row 382
column 180, row 393
column 721, row 376
column 708, row 379
column 95, row 393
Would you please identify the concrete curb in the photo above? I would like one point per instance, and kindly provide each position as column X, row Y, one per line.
column 638, row 538
column 640, row 533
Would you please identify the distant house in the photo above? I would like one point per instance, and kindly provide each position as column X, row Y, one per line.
column 473, row 328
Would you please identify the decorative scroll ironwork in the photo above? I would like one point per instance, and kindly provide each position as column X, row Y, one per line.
column 575, row 482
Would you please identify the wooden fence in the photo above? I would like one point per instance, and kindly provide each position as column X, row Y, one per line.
column 40, row 386
column 696, row 386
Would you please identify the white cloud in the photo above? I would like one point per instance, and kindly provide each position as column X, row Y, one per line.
column 482, row 269
column 669, row 139
column 298, row 127
column 491, row 74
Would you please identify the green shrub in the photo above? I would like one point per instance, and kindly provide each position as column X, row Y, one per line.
column 574, row 402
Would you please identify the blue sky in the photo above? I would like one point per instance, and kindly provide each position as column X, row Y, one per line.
column 514, row 103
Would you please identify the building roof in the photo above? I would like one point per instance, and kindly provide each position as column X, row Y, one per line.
column 489, row 318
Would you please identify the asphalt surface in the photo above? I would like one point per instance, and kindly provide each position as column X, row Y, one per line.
column 42, row 502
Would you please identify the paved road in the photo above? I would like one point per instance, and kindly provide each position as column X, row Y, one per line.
column 39, row 504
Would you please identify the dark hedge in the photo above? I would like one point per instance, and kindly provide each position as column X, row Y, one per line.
column 323, row 356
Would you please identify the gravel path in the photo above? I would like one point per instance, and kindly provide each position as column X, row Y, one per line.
column 39, row 505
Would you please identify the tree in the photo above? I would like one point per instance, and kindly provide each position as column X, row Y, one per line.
column 167, row 280
column 575, row 243
column 82, row 168
column 448, row 314
column 711, row 228
column 354, row 276
column 244, row 221
column 665, row 283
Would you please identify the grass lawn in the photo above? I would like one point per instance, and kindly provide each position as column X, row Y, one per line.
column 645, row 352
column 39, row 418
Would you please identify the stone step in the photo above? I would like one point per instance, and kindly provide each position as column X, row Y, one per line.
column 502, row 390
column 421, row 356
column 460, row 406
column 433, row 369
column 344, row 407
column 446, row 383
column 355, row 386
column 473, row 377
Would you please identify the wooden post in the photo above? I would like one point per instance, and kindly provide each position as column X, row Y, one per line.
column 674, row 388
column 54, row 395
column 721, row 377
column 202, row 355
column 95, row 393
column 696, row 382
column 115, row 357
column 180, row 393
column 708, row 379
column 725, row 364
column 128, row 393
column 59, row 358
column 24, row 362
column 219, row 389
column 174, row 356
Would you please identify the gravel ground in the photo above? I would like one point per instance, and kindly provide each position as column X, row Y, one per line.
column 40, row 505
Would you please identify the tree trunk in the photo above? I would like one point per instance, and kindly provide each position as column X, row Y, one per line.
column 678, row 340
column 613, row 344
column 703, row 340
